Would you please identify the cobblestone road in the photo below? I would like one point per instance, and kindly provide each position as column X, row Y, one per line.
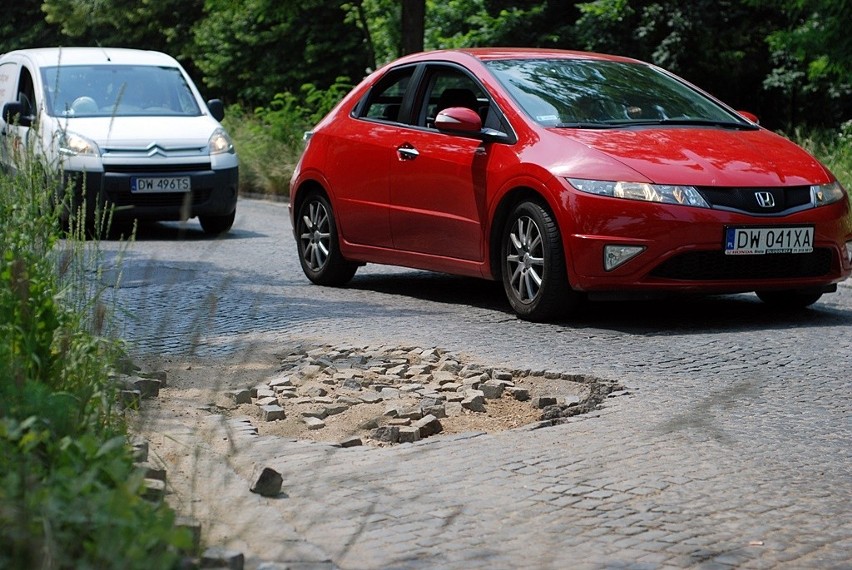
column 734, row 448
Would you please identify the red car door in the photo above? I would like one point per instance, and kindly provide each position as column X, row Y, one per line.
column 362, row 152
column 361, row 155
column 437, row 180
column 437, row 193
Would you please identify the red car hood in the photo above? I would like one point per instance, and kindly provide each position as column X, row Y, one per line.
column 705, row 157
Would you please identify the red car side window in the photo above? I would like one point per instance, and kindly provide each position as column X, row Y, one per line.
column 384, row 101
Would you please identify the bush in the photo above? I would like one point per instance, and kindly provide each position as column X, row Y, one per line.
column 269, row 141
column 70, row 496
column 833, row 148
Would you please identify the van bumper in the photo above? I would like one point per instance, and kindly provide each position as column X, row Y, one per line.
column 213, row 193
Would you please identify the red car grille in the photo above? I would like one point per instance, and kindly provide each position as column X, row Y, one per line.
column 715, row 265
column 744, row 199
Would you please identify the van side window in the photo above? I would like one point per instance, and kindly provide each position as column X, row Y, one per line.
column 26, row 92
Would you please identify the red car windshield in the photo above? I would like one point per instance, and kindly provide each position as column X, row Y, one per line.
column 606, row 94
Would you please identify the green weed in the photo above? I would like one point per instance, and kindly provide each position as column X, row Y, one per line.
column 833, row 148
column 70, row 496
column 269, row 140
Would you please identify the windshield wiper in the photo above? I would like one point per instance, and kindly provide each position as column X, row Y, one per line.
column 586, row 125
column 689, row 123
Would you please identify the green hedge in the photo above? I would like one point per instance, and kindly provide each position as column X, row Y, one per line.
column 70, row 496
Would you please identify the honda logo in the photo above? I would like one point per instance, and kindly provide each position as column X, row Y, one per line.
column 765, row 199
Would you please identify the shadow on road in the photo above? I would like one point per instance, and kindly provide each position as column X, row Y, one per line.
column 673, row 315
column 175, row 231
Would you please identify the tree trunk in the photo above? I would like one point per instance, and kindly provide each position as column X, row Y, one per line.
column 413, row 25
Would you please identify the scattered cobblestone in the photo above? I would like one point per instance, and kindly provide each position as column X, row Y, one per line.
column 418, row 387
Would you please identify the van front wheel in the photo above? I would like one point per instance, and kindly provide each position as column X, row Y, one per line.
column 215, row 225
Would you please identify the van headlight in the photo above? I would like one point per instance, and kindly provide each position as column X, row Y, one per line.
column 220, row 142
column 72, row 144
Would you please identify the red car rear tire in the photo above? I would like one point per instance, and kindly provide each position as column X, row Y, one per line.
column 319, row 248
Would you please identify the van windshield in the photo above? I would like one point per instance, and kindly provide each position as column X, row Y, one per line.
column 117, row 91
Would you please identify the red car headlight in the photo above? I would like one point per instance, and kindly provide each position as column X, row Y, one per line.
column 663, row 193
column 824, row 194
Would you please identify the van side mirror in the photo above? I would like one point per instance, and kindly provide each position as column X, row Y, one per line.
column 14, row 114
column 217, row 109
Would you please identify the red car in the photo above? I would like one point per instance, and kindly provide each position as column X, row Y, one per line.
column 564, row 174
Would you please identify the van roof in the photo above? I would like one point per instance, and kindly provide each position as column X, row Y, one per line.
column 44, row 57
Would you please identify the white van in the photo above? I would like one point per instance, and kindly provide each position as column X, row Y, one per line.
column 125, row 127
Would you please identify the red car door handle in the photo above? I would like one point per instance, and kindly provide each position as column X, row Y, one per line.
column 407, row 152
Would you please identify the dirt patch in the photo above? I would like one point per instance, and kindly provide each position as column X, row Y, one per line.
column 332, row 394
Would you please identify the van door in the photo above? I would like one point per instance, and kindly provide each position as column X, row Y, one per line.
column 8, row 94
column 16, row 85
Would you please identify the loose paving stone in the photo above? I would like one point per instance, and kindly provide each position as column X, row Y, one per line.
column 318, row 413
column 272, row 412
column 428, row 425
column 313, row 423
column 386, row 434
column 408, row 434
column 334, row 409
column 520, row 394
column 474, row 400
column 281, row 382
column 544, row 401
column 217, row 557
column 433, row 407
column 491, row 390
column 373, row 397
column 239, row 396
column 148, row 387
column 268, row 483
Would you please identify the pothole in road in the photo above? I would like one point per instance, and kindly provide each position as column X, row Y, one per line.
column 389, row 395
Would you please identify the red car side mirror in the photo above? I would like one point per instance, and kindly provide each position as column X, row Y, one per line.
column 750, row 116
column 458, row 120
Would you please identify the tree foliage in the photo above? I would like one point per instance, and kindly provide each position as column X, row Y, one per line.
column 23, row 24
column 788, row 60
column 249, row 50
column 162, row 25
column 811, row 54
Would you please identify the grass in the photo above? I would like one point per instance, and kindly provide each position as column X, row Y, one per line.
column 833, row 148
column 70, row 495
column 266, row 160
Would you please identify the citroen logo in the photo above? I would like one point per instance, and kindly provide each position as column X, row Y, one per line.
column 154, row 149
column 765, row 199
